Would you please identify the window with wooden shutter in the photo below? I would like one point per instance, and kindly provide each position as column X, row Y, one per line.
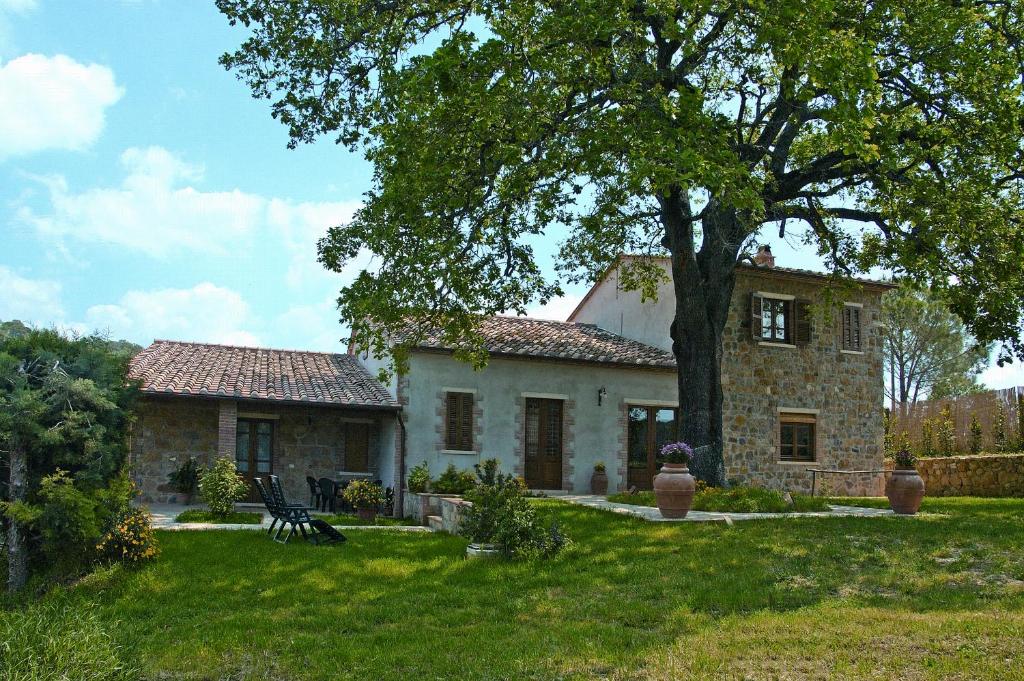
column 852, row 334
column 802, row 322
column 755, row 317
column 459, row 430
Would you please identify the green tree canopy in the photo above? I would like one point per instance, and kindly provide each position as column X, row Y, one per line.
column 890, row 131
column 928, row 352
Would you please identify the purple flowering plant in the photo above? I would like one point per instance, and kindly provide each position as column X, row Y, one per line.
column 677, row 452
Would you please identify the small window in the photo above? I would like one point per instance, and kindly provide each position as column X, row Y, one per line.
column 780, row 319
column 775, row 320
column 852, row 337
column 459, row 431
column 796, row 437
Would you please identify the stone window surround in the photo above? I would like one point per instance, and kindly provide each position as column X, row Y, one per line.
column 775, row 296
column 623, row 423
column 816, row 413
column 442, row 420
column 568, row 435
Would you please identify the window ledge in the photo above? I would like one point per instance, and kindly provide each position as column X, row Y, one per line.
column 769, row 344
column 851, row 352
column 471, row 452
column 796, row 463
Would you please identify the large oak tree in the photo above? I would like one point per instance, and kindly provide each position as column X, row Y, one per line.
column 888, row 132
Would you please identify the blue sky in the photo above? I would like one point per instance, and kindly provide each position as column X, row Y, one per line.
column 145, row 193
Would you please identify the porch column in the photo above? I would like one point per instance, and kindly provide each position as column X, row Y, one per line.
column 227, row 428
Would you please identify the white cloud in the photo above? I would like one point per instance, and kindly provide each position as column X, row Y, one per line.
column 312, row 327
column 52, row 102
column 157, row 209
column 558, row 309
column 18, row 6
column 1008, row 376
column 35, row 301
column 205, row 312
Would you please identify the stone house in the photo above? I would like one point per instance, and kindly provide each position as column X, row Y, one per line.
column 802, row 376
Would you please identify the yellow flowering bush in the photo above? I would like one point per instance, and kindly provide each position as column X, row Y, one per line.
column 130, row 538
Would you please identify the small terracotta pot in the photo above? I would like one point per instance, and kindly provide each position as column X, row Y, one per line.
column 599, row 483
column 367, row 514
column 905, row 491
column 673, row 489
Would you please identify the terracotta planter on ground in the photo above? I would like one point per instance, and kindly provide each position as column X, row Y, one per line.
column 599, row 483
column 673, row 489
column 367, row 514
column 905, row 491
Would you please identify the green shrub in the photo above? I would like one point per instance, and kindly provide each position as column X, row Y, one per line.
column 976, row 433
column 130, row 539
column 185, row 477
column 419, row 478
column 364, row 494
column 221, row 487
column 502, row 515
column 59, row 641
column 454, row 481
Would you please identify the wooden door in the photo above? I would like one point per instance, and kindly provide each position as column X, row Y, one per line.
column 543, row 440
column 254, row 451
column 357, row 448
column 648, row 429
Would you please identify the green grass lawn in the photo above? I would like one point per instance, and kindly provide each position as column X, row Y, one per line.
column 935, row 597
column 353, row 519
column 198, row 515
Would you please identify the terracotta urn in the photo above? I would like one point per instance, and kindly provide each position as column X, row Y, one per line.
column 905, row 491
column 673, row 490
column 367, row 514
column 599, row 483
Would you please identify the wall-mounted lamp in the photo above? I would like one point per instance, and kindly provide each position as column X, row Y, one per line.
column 601, row 394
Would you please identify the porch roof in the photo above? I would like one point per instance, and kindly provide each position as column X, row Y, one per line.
column 209, row 370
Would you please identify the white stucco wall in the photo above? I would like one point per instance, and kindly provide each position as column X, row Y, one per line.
column 622, row 312
column 597, row 432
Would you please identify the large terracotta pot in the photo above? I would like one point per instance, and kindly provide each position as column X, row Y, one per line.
column 673, row 489
column 905, row 491
column 367, row 514
column 599, row 483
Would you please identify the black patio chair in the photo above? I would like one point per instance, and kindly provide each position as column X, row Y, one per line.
column 268, row 501
column 314, row 492
column 345, row 506
column 295, row 515
column 328, row 494
column 325, row 534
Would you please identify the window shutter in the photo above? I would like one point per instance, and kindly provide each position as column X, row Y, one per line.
column 755, row 316
column 802, row 322
column 453, row 420
column 466, row 421
column 855, row 337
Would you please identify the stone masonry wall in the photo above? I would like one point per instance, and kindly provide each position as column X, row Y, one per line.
column 306, row 441
column 842, row 389
column 1000, row 475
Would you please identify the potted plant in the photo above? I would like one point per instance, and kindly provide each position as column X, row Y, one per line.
column 674, row 486
column 184, row 480
column 599, row 480
column 906, row 487
column 366, row 496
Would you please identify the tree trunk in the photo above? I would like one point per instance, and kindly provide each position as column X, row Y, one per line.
column 17, row 555
column 703, row 284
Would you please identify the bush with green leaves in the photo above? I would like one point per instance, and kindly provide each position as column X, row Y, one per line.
column 502, row 515
column 364, row 494
column 419, row 478
column 130, row 538
column 454, row 481
column 185, row 477
column 59, row 640
column 221, row 487
column 976, row 434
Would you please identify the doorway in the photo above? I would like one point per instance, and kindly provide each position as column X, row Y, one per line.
column 648, row 429
column 543, row 443
column 254, row 451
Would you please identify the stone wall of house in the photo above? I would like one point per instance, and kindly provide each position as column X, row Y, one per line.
column 997, row 475
column 166, row 433
column 306, row 441
column 843, row 390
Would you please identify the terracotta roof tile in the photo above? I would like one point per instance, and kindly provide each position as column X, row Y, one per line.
column 178, row 368
column 567, row 341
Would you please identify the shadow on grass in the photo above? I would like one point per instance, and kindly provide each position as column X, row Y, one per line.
column 412, row 605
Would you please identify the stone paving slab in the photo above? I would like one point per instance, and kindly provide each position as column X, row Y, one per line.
column 164, row 515
column 652, row 514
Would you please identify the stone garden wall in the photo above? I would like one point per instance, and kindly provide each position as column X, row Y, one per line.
column 998, row 475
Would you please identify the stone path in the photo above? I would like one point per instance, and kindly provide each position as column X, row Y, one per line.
column 164, row 515
column 652, row 514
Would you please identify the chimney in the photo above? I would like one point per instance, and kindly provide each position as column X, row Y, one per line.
column 764, row 257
